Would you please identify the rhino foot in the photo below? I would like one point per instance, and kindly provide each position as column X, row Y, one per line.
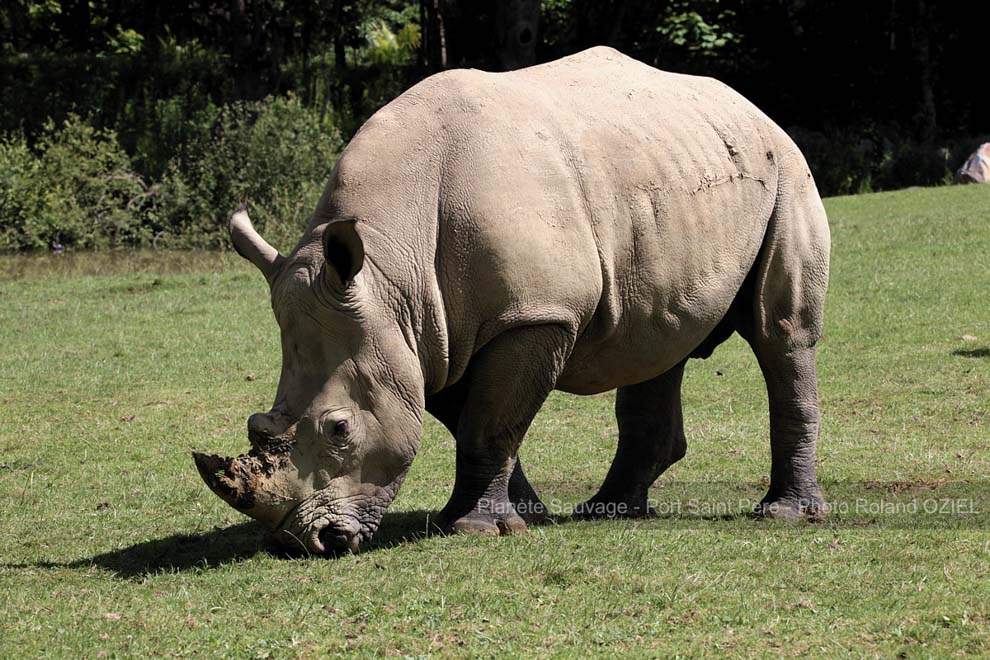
column 809, row 506
column 482, row 520
column 532, row 511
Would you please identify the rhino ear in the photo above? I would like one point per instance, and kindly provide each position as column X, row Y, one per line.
column 343, row 249
column 250, row 245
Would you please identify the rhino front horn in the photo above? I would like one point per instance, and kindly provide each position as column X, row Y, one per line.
column 225, row 479
column 250, row 245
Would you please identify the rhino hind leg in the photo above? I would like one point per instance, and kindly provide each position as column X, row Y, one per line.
column 794, row 425
column 507, row 383
column 651, row 439
column 786, row 323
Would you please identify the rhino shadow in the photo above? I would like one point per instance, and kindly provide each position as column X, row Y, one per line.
column 974, row 353
column 178, row 552
column 224, row 545
column 182, row 552
column 221, row 546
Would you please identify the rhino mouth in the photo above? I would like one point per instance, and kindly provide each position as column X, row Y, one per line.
column 336, row 541
column 322, row 538
column 313, row 527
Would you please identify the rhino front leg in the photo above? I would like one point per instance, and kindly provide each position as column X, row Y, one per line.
column 651, row 439
column 446, row 407
column 508, row 381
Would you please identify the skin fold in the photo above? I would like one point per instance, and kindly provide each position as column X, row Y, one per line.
column 583, row 225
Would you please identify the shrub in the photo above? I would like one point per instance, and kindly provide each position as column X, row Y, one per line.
column 93, row 197
column 20, row 205
column 880, row 157
column 75, row 188
column 162, row 129
column 275, row 154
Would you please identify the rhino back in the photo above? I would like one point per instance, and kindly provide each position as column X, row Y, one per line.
column 625, row 203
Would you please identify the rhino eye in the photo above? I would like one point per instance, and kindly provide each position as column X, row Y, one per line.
column 341, row 427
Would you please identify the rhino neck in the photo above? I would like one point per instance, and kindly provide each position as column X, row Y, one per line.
column 393, row 189
column 405, row 280
column 400, row 271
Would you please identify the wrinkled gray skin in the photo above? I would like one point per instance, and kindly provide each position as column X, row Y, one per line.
column 584, row 225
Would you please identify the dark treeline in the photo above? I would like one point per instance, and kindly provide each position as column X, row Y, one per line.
column 135, row 123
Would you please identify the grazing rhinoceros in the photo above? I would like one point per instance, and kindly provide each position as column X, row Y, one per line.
column 582, row 225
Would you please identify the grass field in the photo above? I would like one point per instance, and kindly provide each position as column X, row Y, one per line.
column 113, row 369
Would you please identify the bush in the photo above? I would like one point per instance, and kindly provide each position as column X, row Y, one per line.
column 275, row 154
column 165, row 128
column 148, row 94
column 874, row 158
column 841, row 166
column 76, row 188
column 19, row 205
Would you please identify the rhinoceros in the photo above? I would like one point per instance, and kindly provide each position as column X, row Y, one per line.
column 583, row 225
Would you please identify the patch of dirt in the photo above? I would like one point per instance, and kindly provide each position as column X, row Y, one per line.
column 17, row 465
column 567, row 487
column 804, row 603
column 898, row 487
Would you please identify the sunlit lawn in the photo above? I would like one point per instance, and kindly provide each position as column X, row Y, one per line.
column 113, row 369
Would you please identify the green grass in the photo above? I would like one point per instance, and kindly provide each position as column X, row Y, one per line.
column 111, row 371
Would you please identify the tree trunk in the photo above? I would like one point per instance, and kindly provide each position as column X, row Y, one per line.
column 247, row 81
column 516, row 24
column 307, row 42
column 926, row 116
column 434, row 34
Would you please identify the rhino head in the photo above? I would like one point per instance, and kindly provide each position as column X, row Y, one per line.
column 330, row 455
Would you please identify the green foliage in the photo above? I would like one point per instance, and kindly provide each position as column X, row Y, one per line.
column 92, row 198
column 43, row 10
column 158, row 82
column 840, row 167
column 76, row 188
column 876, row 158
column 686, row 28
column 275, row 154
column 162, row 129
column 175, row 106
column 126, row 41
column 382, row 64
column 19, row 207
column 386, row 47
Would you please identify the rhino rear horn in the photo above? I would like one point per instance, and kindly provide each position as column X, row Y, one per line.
column 250, row 245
